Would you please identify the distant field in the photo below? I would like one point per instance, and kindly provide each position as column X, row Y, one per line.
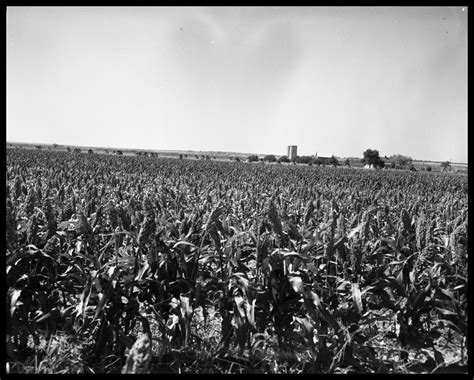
column 199, row 155
column 454, row 165
column 127, row 152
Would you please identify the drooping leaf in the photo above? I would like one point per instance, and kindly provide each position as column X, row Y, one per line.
column 356, row 297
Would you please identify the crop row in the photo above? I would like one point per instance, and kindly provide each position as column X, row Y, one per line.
column 317, row 260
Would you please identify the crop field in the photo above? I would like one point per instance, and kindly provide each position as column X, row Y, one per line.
column 143, row 264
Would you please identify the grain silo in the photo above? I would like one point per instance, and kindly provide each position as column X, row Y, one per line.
column 292, row 151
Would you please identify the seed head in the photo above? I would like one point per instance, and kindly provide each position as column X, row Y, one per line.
column 30, row 202
column 308, row 211
column 32, row 230
column 274, row 218
column 52, row 246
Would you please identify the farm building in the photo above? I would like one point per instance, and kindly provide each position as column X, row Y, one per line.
column 322, row 160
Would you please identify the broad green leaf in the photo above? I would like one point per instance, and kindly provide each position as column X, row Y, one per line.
column 15, row 295
column 296, row 283
column 356, row 297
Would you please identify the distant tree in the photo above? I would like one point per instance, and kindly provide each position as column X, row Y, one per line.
column 283, row 159
column 428, row 168
column 412, row 168
column 269, row 158
column 304, row 159
column 333, row 161
column 445, row 166
column 55, row 145
column 393, row 165
column 347, row 163
column 68, row 149
column 185, row 156
column 197, row 157
column 90, row 151
column 119, row 153
column 401, row 160
column 214, row 157
column 371, row 157
column 77, row 150
column 237, row 159
column 252, row 158
column 180, row 156
column 39, row 147
column 208, row 158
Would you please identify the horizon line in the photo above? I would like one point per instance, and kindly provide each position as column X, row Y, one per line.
column 208, row 151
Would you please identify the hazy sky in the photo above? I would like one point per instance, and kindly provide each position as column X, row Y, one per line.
column 332, row 80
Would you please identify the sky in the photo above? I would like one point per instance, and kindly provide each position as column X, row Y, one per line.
column 331, row 80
